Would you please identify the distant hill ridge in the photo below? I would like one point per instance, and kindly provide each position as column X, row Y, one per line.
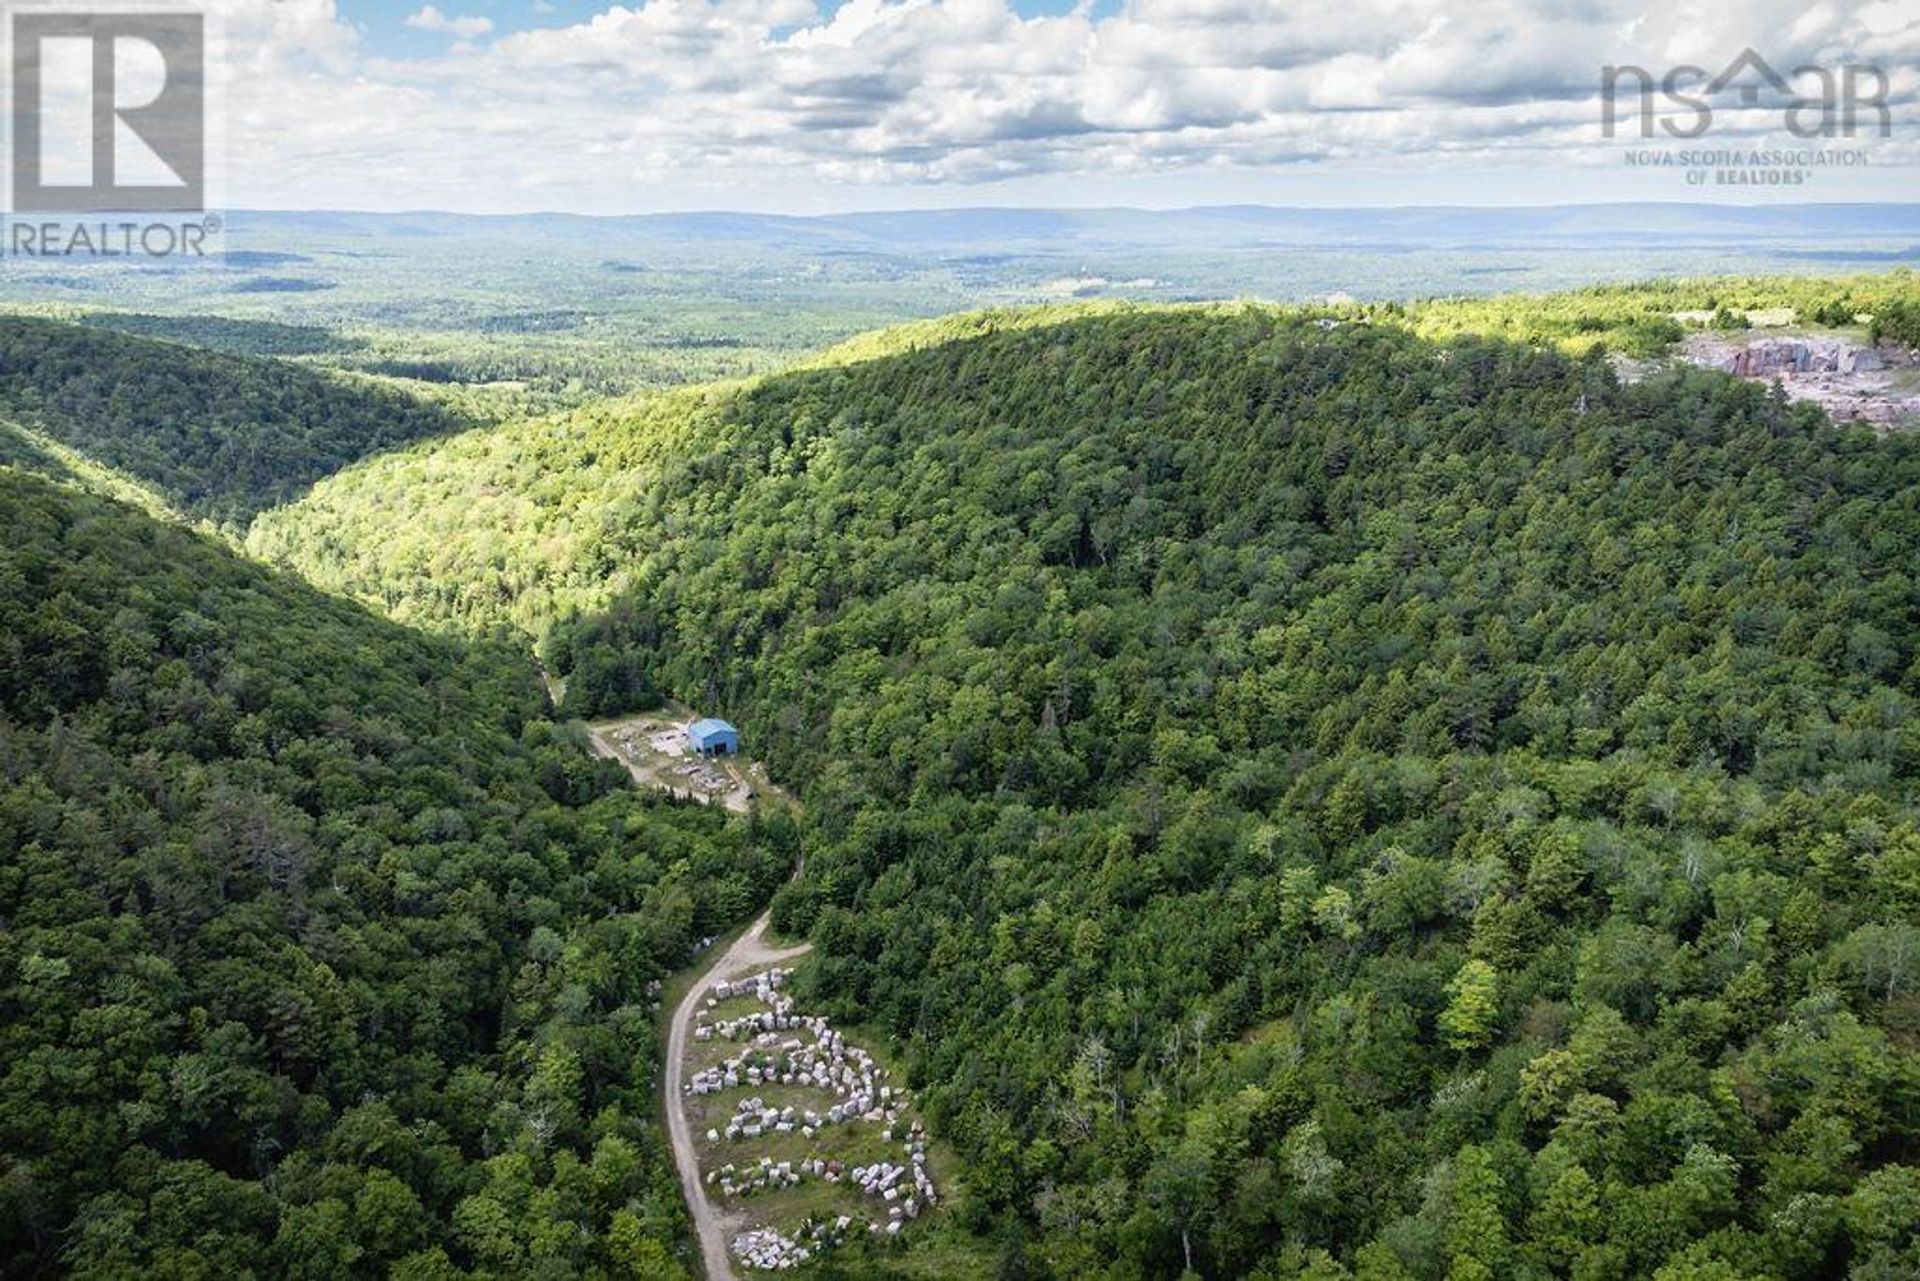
column 217, row 435
column 1058, row 229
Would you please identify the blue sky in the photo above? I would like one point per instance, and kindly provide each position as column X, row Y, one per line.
column 793, row 105
column 385, row 22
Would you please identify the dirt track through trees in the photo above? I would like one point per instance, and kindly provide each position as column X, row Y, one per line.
column 750, row 953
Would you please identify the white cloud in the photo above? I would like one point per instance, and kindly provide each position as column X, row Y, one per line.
column 739, row 101
column 467, row 28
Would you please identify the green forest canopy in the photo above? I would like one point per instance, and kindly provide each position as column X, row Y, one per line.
column 1309, row 797
column 218, row 436
column 525, row 522
column 1307, row 794
column 323, row 952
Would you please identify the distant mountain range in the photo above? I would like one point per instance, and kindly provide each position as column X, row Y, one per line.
column 1219, row 227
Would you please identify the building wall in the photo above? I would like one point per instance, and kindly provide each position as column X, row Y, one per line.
column 718, row 741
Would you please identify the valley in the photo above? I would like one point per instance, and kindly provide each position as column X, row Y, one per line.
column 1384, row 787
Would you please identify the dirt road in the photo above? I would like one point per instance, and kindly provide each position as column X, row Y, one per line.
column 749, row 953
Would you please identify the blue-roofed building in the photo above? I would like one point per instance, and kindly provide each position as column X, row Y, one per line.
column 712, row 737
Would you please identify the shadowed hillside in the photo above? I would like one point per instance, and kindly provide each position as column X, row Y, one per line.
column 217, row 436
column 322, row 951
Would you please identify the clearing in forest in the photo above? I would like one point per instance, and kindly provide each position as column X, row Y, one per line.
column 655, row 750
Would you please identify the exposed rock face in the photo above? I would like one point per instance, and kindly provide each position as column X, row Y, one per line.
column 1778, row 357
column 1852, row 382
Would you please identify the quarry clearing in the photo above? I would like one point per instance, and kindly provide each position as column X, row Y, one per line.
column 654, row 749
column 777, row 1190
column 1852, row 379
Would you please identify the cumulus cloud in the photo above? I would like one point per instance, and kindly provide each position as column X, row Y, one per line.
column 661, row 94
column 431, row 19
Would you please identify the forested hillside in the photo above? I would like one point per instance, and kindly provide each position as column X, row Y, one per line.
column 323, row 952
column 218, row 436
column 525, row 522
column 1304, row 796
column 1645, row 319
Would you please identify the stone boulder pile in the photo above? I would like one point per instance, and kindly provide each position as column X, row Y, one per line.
column 781, row 1048
column 777, row 1252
